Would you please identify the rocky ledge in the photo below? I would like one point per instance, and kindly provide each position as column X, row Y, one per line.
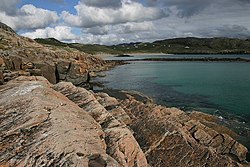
column 64, row 125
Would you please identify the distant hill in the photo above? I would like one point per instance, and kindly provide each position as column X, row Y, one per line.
column 50, row 41
column 87, row 48
column 188, row 45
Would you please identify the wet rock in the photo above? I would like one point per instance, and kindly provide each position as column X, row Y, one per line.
column 41, row 127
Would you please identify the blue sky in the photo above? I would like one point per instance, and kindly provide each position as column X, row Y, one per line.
column 118, row 21
column 54, row 5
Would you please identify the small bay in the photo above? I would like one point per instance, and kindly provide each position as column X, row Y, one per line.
column 218, row 88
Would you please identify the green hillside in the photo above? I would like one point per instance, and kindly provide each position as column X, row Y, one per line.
column 172, row 46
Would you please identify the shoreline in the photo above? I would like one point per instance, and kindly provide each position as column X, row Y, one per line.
column 228, row 121
column 104, row 55
column 223, row 123
column 205, row 59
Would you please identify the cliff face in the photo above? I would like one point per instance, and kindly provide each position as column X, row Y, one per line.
column 64, row 125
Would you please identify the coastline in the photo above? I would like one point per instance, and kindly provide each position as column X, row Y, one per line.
column 115, row 132
column 224, row 123
column 215, row 122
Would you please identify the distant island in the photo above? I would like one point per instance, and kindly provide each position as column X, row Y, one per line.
column 190, row 45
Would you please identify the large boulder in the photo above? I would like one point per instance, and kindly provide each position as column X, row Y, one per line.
column 77, row 73
column 49, row 72
column 74, row 72
column 62, row 68
column 46, row 69
column 41, row 127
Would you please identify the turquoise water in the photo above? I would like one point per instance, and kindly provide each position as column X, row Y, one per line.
column 212, row 87
column 219, row 88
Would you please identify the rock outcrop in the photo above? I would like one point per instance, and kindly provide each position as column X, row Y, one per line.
column 121, row 144
column 18, row 53
column 41, row 127
column 169, row 137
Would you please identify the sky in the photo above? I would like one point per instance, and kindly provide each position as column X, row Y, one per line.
column 123, row 21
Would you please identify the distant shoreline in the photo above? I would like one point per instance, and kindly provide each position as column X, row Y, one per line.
column 203, row 59
column 104, row 55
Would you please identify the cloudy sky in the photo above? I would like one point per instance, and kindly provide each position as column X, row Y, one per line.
column 121, row 21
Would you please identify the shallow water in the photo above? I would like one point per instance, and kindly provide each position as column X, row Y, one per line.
column 214, row 86
column 219, row 88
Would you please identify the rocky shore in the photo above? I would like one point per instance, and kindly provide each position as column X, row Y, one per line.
column 64, row 125
column 48, row 118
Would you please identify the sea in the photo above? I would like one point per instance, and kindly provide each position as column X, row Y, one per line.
column 218, row 88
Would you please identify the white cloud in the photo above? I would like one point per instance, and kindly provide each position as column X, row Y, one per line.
column 130, row 27
column 119, row 21
column 136, row 27
column 62, row 33
column 89, row 16
column 29, row 17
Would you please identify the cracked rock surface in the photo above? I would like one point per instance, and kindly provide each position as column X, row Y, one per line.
column 41, row 127
column 170, row 137
column 121, row 144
